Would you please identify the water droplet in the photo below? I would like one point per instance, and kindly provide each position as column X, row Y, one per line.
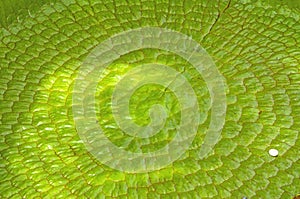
column 273, row 152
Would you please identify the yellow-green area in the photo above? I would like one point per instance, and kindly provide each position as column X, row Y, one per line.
column 255, row 46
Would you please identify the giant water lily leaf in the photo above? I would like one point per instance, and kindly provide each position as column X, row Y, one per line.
column 255, row 46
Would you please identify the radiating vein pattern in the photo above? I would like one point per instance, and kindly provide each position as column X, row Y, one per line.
column 256, row 48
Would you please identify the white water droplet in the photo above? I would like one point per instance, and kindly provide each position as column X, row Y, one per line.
column 273, row 152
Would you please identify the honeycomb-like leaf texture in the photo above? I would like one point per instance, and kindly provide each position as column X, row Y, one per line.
column 255, row 46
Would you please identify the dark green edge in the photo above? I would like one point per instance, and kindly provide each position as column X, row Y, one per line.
column 15, row 10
